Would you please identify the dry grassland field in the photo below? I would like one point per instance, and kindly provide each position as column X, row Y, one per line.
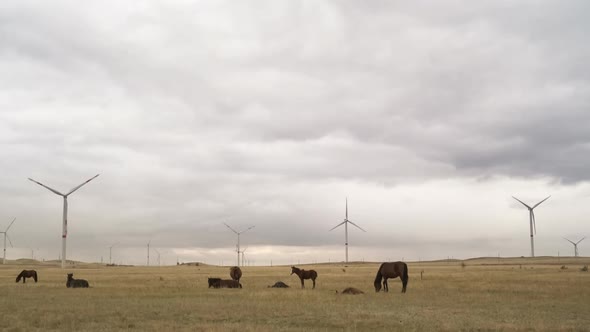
column 485, row 294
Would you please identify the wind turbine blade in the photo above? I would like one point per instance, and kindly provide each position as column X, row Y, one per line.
column 357, row 226
column 572, row 242
column 534, row 222
column 581, row 240
column 46, row 187
column 85, row 182
column 247, row 229
column 8, row 237
column 541, row 201
column 12, row 222
column 340, row 224
column 233, row 230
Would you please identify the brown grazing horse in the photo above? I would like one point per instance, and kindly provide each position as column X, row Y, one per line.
column 391, row 270
column 302, row 274
column 27, row 274
column 235, row 273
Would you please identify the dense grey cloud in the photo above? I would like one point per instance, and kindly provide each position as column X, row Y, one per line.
column 270, row 113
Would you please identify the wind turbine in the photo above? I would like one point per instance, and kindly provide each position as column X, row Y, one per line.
column 345, row 223
column 111, row 251
column 158, row 256
column 575, row 246
column 7, row 237
column 243, row 251
column 532, row 221
column 148, row 252
column 238, row 233
column 65, row 214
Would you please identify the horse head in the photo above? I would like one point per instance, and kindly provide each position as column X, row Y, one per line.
column 377, row 286
column 294, row 270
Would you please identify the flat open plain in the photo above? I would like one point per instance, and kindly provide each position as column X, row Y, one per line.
column 485, row 294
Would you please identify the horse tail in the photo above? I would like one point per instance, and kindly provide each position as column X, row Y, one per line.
column 405, row 277
column 378, row 277
column 35, row 276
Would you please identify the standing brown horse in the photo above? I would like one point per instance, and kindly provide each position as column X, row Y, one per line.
column 302, row 274
column 391, row 270
column 27, row 274
column 235, row 273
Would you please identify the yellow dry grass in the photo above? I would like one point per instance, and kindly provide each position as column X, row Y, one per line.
column 486, row 294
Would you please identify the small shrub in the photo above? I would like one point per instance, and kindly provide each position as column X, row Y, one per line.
column 584, row 269
column 563, row 267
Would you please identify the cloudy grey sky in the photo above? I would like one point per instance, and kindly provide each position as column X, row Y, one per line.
column 427, row 115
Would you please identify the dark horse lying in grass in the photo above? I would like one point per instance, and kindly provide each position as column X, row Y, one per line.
column 302, row 274
column 391, row 270
column 225, row 283
column 235, row 273
column 76, row 283
column 27, row 274
column 213, row 282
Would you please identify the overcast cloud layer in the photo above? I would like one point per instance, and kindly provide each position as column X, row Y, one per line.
column 428, row 116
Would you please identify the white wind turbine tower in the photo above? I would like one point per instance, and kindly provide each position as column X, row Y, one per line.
column 111, row 251
column 238, row 233
column 148, row 252
column 345, row 223
column 157, row 252
column 575, row 245
column 532, row 221
column 7, row 237
column 65, row 214
column 243, row 251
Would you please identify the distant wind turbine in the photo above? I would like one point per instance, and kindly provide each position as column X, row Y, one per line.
column 243, row 251
column 111, row 251
column 7, row 237
column 345, row 223
column 33, row 253
column 148, row 252
column 65, row 214
column 238, row 233
column 157, row 252
column 575, row 245
column 532, row 221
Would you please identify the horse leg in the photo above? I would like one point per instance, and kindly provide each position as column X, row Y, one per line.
column 385, row 285
column 302, row 285
column 24, row 278
column 313, row 283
